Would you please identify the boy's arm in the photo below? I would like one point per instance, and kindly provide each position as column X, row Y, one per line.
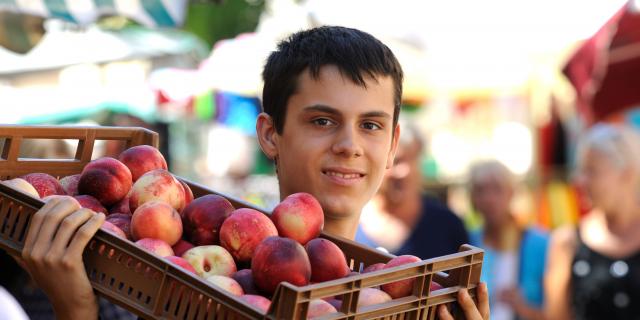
column 52, row 254
column 469, row 308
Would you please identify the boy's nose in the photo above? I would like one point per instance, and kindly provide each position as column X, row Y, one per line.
column 347, row 143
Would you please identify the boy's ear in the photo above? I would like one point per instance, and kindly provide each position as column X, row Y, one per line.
column 267, row 135
column 394, row 146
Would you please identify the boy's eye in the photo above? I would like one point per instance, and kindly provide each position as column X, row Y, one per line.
column 371, row 126
column 322, row 122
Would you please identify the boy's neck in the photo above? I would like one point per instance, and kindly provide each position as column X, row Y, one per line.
column 344, row 227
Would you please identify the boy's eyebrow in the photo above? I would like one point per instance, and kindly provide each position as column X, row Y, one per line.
column 330, row 110
column 322, row 108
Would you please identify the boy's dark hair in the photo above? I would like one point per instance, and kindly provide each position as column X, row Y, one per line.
column 356, row 54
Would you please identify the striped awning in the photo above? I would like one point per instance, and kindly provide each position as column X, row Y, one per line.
column 150, row 13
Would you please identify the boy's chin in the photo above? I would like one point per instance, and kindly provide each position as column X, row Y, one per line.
column 339, row 211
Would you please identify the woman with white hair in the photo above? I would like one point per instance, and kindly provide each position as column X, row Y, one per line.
column 514, row 260
column 594, row 270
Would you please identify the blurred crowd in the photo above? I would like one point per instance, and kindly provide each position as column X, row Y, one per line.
column 586, row 271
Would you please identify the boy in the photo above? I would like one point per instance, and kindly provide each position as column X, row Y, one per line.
column 331, row 101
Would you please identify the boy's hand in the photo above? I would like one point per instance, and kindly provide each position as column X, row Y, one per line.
column 471, row 311
column 52, row 253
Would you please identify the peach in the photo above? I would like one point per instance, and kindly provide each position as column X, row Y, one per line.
column 226, row 284
column 113, row 229
column 122, row 221
column 157, row 185
column 435, row 286
column 23, row 186
column 318, row 308
column 400, row 288
column 245, row 278
column 182, row 263
column 106, row 179
column 181, row 247
column 188, row 194
column 158, row 220
column 203, row 218
column 371, row 296
column 280, row 259
column 142, row 159
column 45, row 184
column 70, row 184
column 210, row 260
column 328, row 262
column 299, row 217
column 374, row 267
column 334, row 302
column 156, row 246
column 121, row 206
column 259, row 302
column 243, row 231
column 90, row 202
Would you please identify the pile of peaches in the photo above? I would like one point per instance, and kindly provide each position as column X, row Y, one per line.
column 242, row 251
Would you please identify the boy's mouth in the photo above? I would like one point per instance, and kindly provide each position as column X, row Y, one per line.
column 343, row 176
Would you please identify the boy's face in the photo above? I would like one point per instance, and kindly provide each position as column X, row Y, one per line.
column 337, row 140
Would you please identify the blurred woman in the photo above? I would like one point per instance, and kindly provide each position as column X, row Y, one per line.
column 594, row 270
column 514, row 260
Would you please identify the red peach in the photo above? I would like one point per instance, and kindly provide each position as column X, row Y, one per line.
column 243, row 231
column 181, row 263
column 188, row 194
column 22, row 185
column 318, row 308
column 435, row 286
column 142, row 159
column 45, row 184
column 90, row 202
column 156, row 246
column 211, row 260
column 203, row 218
column 299, row 217
column 279, row 259
column 181, row 247
column 110, row 227
column 106, row 179
column 157, row 185
column 259, row 302
column 121, row 206
column 158, row 220
column 122, row 221
column 70, row 184
column 334, row 302
column 328, row 262
column 245, row 279
column 226, row 284
column 400, row 288
column 371, row 296
column 373, row 267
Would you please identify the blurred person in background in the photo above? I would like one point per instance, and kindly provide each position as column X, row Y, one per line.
column 514, row 260
column 401, row 217
column 594, row 269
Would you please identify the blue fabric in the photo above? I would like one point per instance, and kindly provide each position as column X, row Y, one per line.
column 533, row 257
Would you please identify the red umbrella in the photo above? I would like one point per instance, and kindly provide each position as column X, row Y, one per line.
column 605, row 70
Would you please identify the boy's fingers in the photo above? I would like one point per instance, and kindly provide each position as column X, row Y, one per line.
column 483, row 300
column 67, row 229
column 50, row 225
column 34, row 227
column 443, row 313
column 468, row 305
column 84, row 234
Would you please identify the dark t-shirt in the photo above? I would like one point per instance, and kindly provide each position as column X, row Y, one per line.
column 438, row 232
